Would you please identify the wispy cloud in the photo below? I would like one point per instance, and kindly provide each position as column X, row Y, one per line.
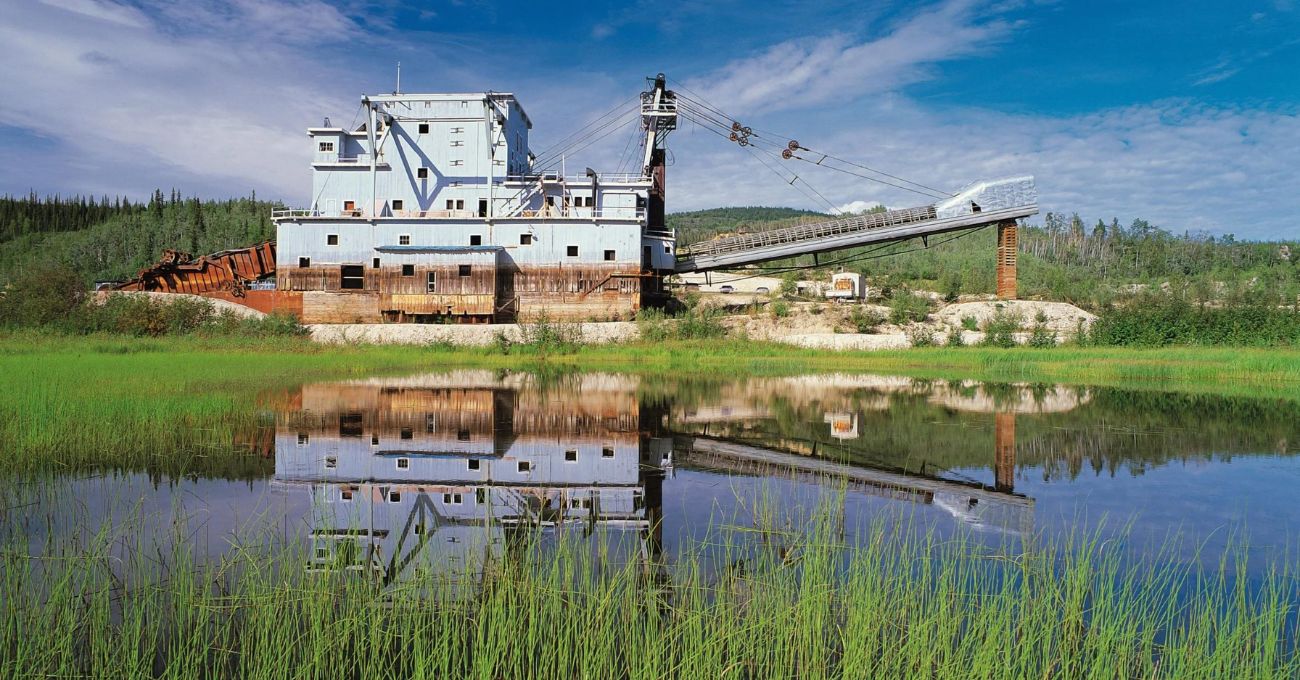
column 817, row 70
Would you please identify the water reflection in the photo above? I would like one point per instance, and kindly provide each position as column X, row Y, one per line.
column 438, row 470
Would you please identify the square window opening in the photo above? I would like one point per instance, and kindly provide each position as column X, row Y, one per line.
column 464, row 269
column 424, row 128
column 571, row 456
column 572, row 251
column 303, row 439
column 398, row 204
column 525, row 466
column 422, row 173
column 345, row 495
column 374, row 264
column 408, row 270
column 304, row 262
column 407, row 433
column 476, row 240
column 609, row 256
column 462, row 435
column 394, row 497
column 353, row 277
column 403, row 239
column 331, row 462
column 525, row 239
column 472, row 464
column 607, row 452
column 403, row 463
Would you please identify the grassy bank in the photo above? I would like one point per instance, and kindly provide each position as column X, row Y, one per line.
column 69, row 402
column 798, row 603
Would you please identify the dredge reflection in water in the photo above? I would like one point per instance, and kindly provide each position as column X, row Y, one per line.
column 438, row 471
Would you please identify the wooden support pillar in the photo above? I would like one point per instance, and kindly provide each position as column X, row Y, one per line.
column 1004, row 451
column 1008, row 244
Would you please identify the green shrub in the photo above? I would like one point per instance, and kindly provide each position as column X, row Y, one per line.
column 1042, row 336
column 865, row 320
column 780, row 309
column 921, row 337
column 1160, row 320
column 907, row 306
column 954, row 338
column 697, row 323
column 41, row 295
column 1000, row 330
column 970, row 323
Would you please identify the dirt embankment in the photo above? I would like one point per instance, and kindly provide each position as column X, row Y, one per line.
column 804, row 324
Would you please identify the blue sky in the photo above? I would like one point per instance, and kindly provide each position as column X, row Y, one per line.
column 1183, row 113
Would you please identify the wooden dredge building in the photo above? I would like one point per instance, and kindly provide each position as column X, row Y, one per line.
column 430, row 210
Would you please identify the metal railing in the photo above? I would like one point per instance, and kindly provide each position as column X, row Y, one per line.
column 359, row 159
column 805, row 232
column 582, row 180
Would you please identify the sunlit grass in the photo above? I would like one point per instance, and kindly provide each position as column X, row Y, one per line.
column 799, row 603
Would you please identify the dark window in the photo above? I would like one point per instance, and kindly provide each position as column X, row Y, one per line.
column 472, row 463
column 403, row 239
column 431, row 285
column 398, row 204
column 464, row 270
column 607, row 452
column 524, row 466
column 407, row 433
column 394, row 497
column 374, row 264
column 482, row 207
column 332, row 240
column 573, row 251
column 609, row 256
column 480, row 496
column 349, row 424
column 403, row 463
column 571, row 456
column 408, row 270
column 422, row 173
column 424, row 128
column 354, row 276
column 326, row 146
column 462, row 435
column 304, row 262
column 525, row 239
column 475, row 240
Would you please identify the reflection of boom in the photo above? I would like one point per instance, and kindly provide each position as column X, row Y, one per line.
column 979, row 506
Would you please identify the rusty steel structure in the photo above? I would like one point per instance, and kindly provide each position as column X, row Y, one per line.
column 229, row 271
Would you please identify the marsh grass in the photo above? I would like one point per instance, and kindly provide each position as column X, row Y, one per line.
column 745, row 601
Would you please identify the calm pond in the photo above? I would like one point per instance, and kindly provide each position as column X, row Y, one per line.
column 434, row 471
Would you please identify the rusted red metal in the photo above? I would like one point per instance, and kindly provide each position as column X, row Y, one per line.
column 228, row 271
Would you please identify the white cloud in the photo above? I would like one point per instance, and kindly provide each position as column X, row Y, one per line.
column 219, row 108
column 856, row 206
column 102, row 11
column 838, row 67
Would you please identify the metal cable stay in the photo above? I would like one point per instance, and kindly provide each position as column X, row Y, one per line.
column 705, row 113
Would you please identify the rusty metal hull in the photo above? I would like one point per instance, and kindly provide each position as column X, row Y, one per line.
column 228, row 270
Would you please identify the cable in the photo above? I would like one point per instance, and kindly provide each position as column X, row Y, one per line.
column 700, row 105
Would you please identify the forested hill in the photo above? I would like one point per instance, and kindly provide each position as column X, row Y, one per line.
column 112, row 239
column 1063, row 257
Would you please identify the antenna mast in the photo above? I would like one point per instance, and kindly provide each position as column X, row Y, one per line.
column 399, row 79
